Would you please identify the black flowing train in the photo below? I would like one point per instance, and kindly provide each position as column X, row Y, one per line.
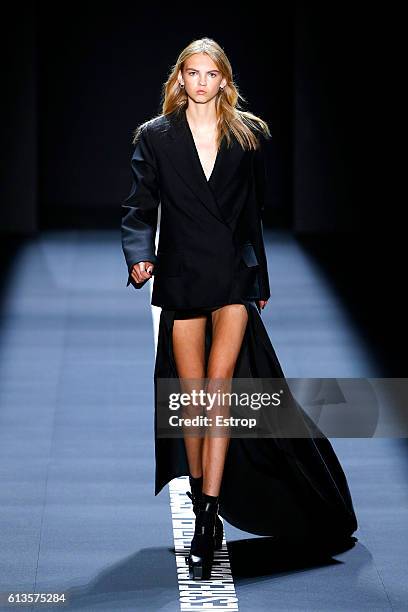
column 271, row 486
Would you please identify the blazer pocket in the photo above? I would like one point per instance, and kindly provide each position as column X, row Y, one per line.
column 248, row 255
column 169, row 263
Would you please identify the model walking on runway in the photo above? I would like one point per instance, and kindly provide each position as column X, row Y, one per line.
column 202, row 160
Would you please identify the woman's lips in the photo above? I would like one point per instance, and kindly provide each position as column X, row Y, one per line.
column 200, row 91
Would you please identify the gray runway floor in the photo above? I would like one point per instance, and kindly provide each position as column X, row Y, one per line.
column 78, row 513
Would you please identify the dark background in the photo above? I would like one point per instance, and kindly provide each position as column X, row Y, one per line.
column 78, row 78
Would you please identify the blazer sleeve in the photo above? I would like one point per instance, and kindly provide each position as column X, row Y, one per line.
column 260, row 176
column 140, row 208
column 260, row 183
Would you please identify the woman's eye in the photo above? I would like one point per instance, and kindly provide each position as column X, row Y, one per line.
column 213, row 74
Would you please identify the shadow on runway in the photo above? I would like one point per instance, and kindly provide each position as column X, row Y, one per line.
column 268, row 555
column 146, row 580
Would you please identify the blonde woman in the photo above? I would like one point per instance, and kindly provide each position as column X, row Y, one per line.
column 202, row 159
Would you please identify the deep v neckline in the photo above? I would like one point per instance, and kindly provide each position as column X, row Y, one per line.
column 196, row 151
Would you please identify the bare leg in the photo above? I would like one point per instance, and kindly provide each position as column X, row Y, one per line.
column 229, row 324
column 189, row 354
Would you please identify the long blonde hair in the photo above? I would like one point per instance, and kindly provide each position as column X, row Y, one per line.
column 230, row 117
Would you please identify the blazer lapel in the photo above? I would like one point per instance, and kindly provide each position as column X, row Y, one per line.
column 182, row 153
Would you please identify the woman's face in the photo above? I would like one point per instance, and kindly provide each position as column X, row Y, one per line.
column 201, row 77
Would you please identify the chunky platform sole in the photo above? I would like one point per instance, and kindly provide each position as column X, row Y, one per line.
column 199, row 568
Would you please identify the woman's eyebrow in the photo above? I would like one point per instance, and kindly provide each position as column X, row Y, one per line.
column 199, row 71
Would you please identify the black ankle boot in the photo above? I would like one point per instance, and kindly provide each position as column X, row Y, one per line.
column 202, row 548
column 196, row 485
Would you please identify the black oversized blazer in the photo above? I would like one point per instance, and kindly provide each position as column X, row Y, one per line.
column 210, row 231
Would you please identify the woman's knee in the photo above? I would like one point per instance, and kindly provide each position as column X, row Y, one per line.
column 218, row 374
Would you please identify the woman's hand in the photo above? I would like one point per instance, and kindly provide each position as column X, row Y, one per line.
column 262, row 303
column 142, row 271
